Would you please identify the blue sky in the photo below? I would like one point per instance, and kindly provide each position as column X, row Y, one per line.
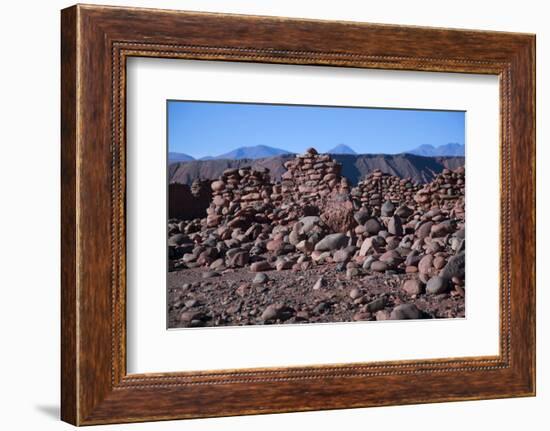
column 210, row 128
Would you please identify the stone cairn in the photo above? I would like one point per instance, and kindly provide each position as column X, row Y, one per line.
column 311, row 177
column 313, row 185
column 379, row 187
column 239, row 194
column 386, row 225
column 444, row 191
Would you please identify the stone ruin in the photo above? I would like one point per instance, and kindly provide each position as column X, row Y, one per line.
column 384, row 225
column 188, row 203
column 379, row 187
column 239, row 194
column 310, row 177
column 447, row 191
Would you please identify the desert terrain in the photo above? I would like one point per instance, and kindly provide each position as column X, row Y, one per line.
column 294, row 239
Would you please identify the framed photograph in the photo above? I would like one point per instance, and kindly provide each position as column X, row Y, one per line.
column 264, row 215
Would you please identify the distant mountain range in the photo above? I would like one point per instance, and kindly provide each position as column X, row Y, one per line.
column 263, row 152
column 179, row 157
column 253, row 153
column 354, row 166
column 341, row 149
column 451, row 149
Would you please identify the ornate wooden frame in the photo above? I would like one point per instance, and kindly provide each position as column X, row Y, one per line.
column 96, row 41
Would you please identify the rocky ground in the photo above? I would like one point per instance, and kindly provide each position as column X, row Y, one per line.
column 310, row 248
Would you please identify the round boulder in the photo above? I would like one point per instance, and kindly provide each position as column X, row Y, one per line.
column 373, row 226
column 437, row 285
column 413, row 287
column 387, row 209
column 406, row 312
column 332, row 242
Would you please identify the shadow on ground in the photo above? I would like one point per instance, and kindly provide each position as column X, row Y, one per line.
column 52, row 411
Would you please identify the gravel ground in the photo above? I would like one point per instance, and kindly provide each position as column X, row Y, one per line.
column 199, row 297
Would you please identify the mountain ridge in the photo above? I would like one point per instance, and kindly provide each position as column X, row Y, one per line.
column 341, row 149
column 174, row 156
column 355, row 167
column 252, row 152
column 256, row 152
column 450, row 149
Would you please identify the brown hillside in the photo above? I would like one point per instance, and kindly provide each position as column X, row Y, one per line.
column 354, row 167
